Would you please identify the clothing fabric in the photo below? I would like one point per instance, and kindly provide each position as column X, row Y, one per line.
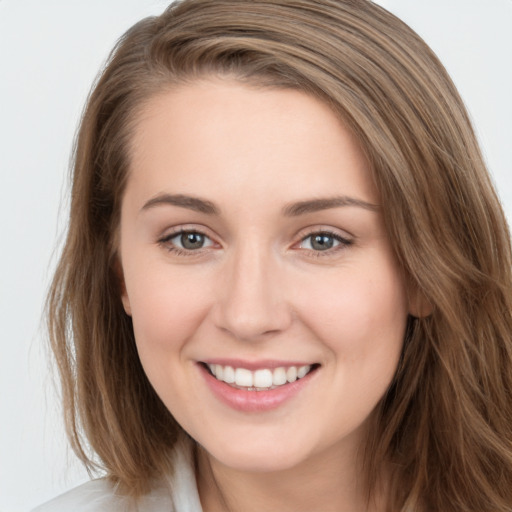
column 177, row 494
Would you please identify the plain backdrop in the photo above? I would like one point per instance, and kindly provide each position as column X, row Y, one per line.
column 50, row 53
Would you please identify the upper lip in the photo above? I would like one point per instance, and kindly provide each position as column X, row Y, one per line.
column 256, row 365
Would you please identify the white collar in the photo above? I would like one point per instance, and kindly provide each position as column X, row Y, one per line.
column 178, row 493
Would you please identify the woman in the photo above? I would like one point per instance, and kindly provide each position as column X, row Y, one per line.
column 287, row 278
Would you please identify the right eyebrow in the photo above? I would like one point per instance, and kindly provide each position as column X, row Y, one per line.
column 190, row 202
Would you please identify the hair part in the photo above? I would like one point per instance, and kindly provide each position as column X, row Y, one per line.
column 444, row 429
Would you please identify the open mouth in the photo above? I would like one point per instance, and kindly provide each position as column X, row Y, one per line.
column 264, row 379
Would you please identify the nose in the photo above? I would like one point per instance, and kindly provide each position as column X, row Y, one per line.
column 252, row 302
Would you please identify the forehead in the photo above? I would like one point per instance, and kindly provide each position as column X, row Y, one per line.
column 219, row 131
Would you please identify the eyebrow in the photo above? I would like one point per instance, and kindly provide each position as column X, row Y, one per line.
column 315, row 205
column 191, row 203
column 292, row 210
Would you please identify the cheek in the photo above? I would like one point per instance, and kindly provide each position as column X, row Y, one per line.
column 360, row 315
column 166, row 315
column 166, row 311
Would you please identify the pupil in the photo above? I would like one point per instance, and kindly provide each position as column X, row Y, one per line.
column 322, row 242
column 192, row 240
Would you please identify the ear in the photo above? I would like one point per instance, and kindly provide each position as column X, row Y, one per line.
column 118, row 269
column 419, row 305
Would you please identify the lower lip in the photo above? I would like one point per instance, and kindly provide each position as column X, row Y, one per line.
column 254, row 401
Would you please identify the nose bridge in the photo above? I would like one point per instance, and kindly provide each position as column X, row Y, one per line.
column 253, row 301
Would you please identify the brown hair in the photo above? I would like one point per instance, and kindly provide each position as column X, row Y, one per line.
column 445, row 425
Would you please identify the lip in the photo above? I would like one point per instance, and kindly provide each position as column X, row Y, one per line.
column 254, row 401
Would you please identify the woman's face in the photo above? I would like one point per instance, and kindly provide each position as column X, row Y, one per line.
column 268, row 308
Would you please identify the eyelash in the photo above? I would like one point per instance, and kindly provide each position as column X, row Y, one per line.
column 171, row 247
column 343, row 243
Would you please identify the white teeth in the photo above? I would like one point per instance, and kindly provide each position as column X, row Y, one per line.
column 259, row 379
column 279, row 377
column 219, row 372
column 303, row 371
column 243, row 378
column 229, row 375
column 262, row 378
column 291, row 374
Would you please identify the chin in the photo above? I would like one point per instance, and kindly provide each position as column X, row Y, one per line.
column 262, row 463
column 258, row 456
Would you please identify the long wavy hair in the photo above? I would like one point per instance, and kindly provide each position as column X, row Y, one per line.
column 444, row 428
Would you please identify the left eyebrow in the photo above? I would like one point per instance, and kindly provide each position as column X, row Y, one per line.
column 315, row 205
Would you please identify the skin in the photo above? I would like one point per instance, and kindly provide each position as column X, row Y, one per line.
column 259, row 290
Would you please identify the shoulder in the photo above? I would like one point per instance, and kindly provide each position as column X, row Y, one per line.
column 96, row 496
column 100, row 496
column 176, row 493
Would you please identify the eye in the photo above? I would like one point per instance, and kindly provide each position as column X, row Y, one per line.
column 185, row 241
column 323, row 241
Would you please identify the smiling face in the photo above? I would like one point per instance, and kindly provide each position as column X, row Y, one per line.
column 268, row 308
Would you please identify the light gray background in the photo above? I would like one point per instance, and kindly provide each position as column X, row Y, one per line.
column 49, row 54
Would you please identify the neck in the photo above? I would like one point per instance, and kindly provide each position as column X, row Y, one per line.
column 324, row 482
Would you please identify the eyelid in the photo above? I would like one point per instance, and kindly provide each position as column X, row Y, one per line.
column 326, row 229
column 171, row 231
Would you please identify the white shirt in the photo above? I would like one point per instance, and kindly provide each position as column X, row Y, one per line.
column 177, row 494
